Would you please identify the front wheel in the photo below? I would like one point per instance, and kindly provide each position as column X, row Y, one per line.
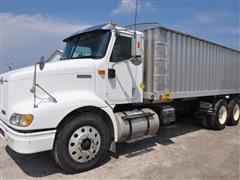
column 82, row 144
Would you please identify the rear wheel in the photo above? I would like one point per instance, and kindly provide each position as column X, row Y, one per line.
column 82, row 144
column 219, row 119
column 234, row 112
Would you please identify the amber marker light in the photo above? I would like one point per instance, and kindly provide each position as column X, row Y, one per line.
column 101, row 71
column 28, row 119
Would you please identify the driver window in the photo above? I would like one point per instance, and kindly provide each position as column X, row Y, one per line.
column 81, row 51
column 122, row 49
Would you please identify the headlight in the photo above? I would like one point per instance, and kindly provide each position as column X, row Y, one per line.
column 22, row 120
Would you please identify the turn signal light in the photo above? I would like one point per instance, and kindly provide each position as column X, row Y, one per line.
column 101, row 71
column 28, row 119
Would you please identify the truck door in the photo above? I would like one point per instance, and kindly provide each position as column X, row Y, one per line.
column 122, row 86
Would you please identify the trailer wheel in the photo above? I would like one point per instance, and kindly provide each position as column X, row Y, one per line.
column 82, row 144
column 219, row 120
column 234, row 112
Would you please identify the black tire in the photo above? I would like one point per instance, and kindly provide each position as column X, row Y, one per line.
column 233, row 121
column 214, row 121
column 61, row 152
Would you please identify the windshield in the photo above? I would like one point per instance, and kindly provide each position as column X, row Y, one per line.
column 88, row 45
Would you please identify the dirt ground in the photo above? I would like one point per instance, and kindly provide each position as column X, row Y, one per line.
column 184, row 151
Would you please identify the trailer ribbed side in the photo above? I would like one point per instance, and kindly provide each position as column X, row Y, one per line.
column 187, row 66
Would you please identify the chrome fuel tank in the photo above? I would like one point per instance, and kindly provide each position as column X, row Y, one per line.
column 136, row 123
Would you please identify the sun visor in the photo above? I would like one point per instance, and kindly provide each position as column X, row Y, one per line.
column 94, row 28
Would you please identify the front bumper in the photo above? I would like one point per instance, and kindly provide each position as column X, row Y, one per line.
column 27, row 143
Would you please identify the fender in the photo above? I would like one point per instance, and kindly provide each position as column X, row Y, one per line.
column 48, row 115
column 110, row 113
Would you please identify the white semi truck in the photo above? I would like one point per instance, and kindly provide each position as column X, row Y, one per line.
column 116, row 84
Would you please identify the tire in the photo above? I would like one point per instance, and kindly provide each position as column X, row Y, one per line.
column 234, row 112
column 219, row 119
column 81, row 144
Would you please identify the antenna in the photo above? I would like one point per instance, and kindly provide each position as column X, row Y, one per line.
column 135, row 24
column 135, row 21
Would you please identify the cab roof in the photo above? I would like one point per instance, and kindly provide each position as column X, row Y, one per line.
column 94, row 28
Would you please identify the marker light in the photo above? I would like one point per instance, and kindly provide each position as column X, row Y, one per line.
column 138, row 45
column 22, row 120
column 101, row 71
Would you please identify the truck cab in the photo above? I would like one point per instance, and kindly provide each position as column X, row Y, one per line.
column 111, row 51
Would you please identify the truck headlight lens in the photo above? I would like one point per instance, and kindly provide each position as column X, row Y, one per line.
column 22, row 120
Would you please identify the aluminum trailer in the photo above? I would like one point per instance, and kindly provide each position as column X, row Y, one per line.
column 187, row 66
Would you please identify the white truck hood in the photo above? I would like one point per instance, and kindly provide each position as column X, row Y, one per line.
column 56, row 78
column 52, row 69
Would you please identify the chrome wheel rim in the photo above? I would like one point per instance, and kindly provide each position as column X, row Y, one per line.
column 84, row 144
column 222, row 115
column 236, row 112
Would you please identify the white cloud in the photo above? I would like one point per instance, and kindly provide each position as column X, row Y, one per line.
column 228, row 30
column 24, row 38
column 212, row 26
column 211, row 17
column 126, row 7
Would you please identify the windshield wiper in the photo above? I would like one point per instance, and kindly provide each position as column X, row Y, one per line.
column 82, row 57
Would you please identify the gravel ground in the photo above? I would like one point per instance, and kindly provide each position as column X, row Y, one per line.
column 184, row 151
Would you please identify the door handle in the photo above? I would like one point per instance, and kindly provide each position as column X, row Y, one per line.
column 111, row 73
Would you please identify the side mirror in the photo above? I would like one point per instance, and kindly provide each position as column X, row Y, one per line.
column 136, row 49
column 41, row 63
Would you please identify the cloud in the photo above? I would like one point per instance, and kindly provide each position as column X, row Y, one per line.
column 211, row 17
column 126, row 7
column 211, row 22
column 24, row 38
column 228, row 30
column 221, row 27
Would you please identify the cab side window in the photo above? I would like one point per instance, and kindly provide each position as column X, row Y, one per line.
column 122, row 49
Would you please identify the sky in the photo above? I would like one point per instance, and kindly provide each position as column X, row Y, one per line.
column 34, row 28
